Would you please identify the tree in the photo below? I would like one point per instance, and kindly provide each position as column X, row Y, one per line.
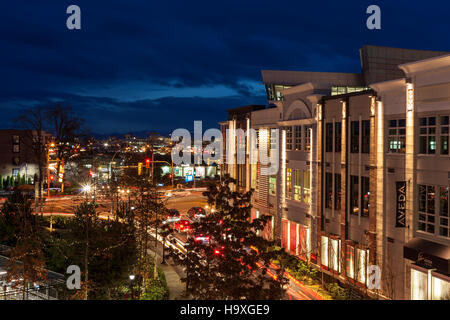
column 33, row 120
column 65, row 126
column 26, row 264
column 233, row 264
column 1, row 183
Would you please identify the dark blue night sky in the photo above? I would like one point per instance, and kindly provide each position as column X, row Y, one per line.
column 160, row 65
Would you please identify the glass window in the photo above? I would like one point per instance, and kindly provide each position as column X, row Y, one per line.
column 335, row 255
column 397, row 136
column 297, row 185
column 444, row 228
column 361, row 265
column 354, row 140
column 337, row 137
column 441, row 289
column 427, row 138
column 444, row 134
column 16, row 148
column 272, row 185
column 298, row 137
column 328, row 189
column 329, row 137
column 324, row 251
column 365, row 147
column 419, row 285
column 306, row 187
column 337, row 191
column 365, row 196
column 354, row 195
column 288, row 138
column 16, row 139
column 426, row 208
column 288, row 183
column 307, row 135
column 350, row 266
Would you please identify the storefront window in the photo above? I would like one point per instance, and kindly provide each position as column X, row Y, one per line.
column 324, row 251
column 419, row 285
column 361, row 265
column 350, row 266
column 335, row 255
column 440, row 289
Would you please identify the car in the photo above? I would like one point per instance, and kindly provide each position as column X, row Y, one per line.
column 201, row 237
column 183, row 225
column 196, row 213
column 177, row 192
column 173, row 215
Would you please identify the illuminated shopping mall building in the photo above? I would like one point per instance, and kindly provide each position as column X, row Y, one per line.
column 363, row 169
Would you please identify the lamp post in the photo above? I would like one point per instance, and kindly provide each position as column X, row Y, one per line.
column 132, row 277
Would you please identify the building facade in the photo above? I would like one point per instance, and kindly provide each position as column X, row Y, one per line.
column 363, row 170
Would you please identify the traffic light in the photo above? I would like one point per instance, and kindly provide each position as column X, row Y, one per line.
column 140, row 168
column 90, row 173
column 170, row 176
column 52, row 177
column 147, row 163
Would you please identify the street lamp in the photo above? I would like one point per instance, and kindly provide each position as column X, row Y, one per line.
column 132, row 277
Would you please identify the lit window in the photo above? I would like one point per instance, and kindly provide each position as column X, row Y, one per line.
column 397, row 136
column 361, row 265
column 444, row 228
column 306, row 187
column 354, row 195
column 288, row 183
column 272, row 185
column 441, row 289
column 307, row 138
column 419, row 285
column 365, row 196
column 426, row 208
column 427, row 144
column 288, row 138
column 297, row 185
column 298, row 138
column 444, row 134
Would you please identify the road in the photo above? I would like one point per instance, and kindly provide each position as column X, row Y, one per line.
column 65, row 205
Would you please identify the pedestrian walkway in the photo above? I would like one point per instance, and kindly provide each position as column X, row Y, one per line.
column 173, row 279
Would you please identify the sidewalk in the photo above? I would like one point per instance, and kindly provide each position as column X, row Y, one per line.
column 176, row 287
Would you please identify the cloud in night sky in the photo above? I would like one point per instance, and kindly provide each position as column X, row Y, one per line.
column 157, row 66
